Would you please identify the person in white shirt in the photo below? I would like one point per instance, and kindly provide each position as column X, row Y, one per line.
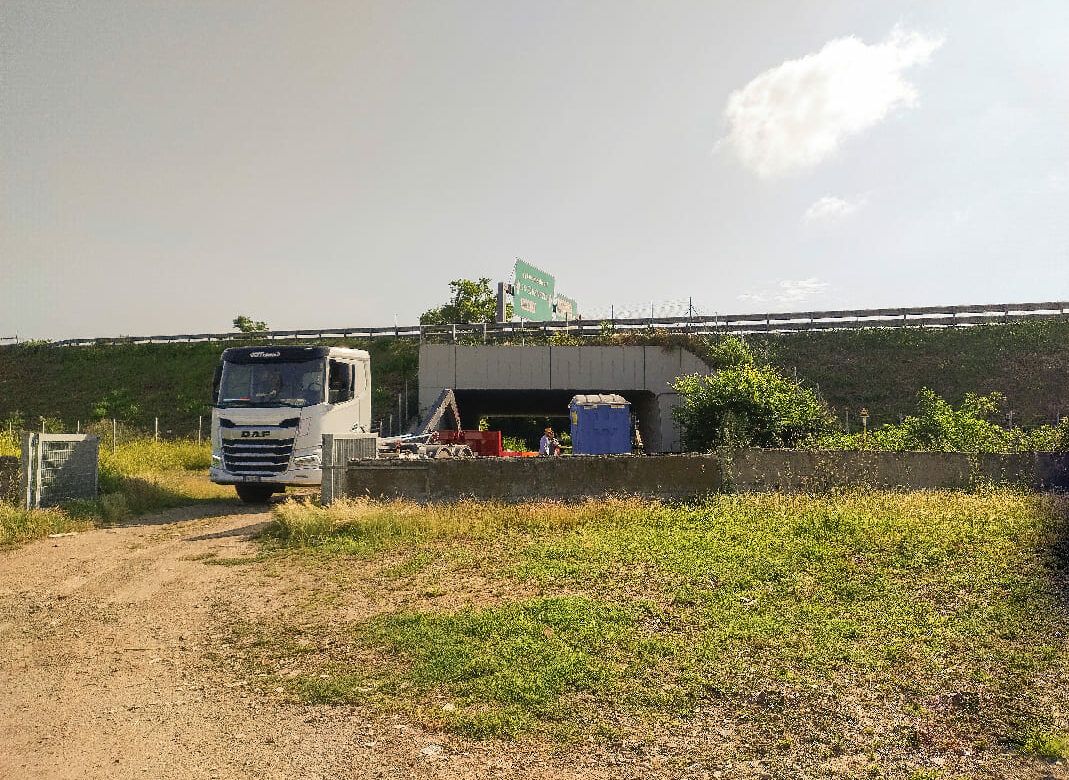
column 549, row 444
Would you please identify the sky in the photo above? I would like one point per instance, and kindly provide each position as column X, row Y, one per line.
column 166, row 166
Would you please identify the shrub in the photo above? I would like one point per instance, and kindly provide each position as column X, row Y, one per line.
column 748, row 406
column 938, row 427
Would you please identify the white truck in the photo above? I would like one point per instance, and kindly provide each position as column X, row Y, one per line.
column 271, row 406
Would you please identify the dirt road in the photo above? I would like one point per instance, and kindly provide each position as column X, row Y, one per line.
column 103, row 672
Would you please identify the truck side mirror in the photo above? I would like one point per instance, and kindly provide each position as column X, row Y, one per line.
column 215, row 384
column 340, row 386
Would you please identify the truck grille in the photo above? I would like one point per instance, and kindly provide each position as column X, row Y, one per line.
column 266, row 456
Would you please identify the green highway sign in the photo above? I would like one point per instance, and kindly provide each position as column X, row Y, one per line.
column 567, row 309
column 532, row 293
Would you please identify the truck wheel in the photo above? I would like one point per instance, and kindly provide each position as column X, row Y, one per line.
column 254, row 494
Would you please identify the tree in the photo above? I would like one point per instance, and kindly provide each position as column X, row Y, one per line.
column 747, row 405
column 470, row 302
column 246, row 325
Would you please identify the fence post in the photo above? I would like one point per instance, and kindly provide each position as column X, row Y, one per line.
column 200, row 427
column 39, row 463
column 28, row 439
column 114, row 433
column 156, row 434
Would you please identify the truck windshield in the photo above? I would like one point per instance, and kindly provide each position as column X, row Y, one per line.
column 272, row 384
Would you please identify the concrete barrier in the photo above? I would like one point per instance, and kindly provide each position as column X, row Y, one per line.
column 9, row 478
column 686, row 476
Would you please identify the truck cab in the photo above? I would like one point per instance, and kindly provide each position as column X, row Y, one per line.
column 271, row 406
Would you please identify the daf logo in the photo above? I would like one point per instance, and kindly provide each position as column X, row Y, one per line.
column 255, row 434
column 265, row 354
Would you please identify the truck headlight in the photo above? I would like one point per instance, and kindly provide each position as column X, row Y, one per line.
column 312, row 461
column 217, row 461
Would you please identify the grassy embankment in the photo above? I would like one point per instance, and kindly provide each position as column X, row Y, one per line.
column 136, row 383
column 139, row 477
column 867, row 624
column 883, row 370
column 879, row 369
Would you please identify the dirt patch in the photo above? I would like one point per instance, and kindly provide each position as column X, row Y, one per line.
column 103, row 638
column 109, row 666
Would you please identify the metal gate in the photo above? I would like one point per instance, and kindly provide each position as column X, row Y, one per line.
column 57, row 467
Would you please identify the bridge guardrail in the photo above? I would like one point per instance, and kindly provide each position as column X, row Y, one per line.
column 777, row 322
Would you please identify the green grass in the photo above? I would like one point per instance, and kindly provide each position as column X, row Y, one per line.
column 18, row 526
column 883, row 370
column 143, row 456
column 1048, row 744
column 139, row 477
column 879, row 369
column 140, row 382
column 933, row 612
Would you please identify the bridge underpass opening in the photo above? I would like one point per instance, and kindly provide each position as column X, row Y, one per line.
column 545, row 407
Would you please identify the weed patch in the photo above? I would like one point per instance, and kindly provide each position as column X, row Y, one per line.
column 509, row 667
column 918, row 621
column 139, row 477
column 18, row 526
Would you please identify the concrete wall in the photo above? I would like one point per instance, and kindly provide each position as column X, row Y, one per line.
column 566, row 369
column 684, row 476
column 9, row 478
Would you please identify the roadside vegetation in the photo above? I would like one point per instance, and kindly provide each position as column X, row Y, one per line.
column 750, row 403
column 66, row 388
column 860, row 624
column 138, row 477
column 879, row 369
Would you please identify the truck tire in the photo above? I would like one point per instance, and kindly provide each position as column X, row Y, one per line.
column 254, row 494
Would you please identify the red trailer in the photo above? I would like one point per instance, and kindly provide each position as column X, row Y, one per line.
column 483, row 443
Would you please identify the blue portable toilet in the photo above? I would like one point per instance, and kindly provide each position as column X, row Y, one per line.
column 601, row 424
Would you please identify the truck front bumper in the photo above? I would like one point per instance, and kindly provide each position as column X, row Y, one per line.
column 290, row 478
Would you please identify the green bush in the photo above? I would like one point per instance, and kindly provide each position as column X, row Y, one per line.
column 748, row 406
column 939, row 427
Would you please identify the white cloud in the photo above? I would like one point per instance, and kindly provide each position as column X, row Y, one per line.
column 830, row 209
column 795, row 115
column 787, row 291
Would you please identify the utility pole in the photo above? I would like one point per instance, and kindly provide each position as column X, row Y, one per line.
column 500, row 302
